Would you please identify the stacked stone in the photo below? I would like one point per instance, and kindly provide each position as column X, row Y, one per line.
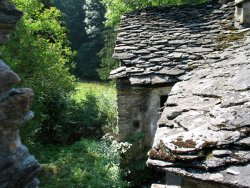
column 204, row 130
column 17, row 166
column 157, row 46
column 8, row 18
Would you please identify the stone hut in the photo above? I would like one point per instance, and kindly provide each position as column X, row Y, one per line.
column 156, row 47
column 193, row 63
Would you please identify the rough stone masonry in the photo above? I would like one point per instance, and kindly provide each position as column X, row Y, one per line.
column 17, row 166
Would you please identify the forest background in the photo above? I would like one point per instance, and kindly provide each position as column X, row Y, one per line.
column 58, row 47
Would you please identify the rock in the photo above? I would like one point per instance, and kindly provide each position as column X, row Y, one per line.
column 118, row 70
column 160, row 186
column 14, row 110
column 123, row 56
column 121, row 48
column 244, row 142
column 139, row 80
column 158, row 60
column 216, row 177
column 173, row 72
column 17, row 167
column 229, row 171
column 8, row 19
column 221, row 153
column 142, row 51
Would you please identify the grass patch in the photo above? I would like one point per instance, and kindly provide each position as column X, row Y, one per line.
column 97, row 88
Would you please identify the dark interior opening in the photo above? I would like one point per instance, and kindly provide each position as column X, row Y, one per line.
column 163, row 99
column 240, row 5
column 136, row 124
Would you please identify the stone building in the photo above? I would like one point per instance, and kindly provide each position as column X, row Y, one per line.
column 191, row 64
column 156, row 47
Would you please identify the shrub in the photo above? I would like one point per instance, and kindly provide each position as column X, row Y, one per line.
column 88, row 112
column 86, row 164
column 38, row 52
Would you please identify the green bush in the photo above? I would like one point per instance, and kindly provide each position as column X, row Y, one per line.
column 88, row 112
column 86, row 164
column 105, row 99
column 38, row 52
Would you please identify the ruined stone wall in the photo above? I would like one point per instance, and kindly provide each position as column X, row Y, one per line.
column 17, row 166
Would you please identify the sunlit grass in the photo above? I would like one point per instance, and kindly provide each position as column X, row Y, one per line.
column 98, row 88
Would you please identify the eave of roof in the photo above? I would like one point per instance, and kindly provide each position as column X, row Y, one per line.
column 239, row 1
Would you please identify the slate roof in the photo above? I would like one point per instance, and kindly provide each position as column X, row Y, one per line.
column 204, row 129
column 157, row 46
column 239, row 1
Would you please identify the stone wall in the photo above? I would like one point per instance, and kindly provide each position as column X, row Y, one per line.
column 17, row 166
column 138, row 112
column 131, row 112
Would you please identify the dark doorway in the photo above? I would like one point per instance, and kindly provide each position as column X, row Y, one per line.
column 163, row 99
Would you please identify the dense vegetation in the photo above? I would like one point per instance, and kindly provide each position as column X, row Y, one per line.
column 38, row 52
column 84, row 21
column 115, row 9
column 56, row 42
column 85, row 164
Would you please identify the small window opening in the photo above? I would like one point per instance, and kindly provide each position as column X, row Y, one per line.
column 136, row 124
column 163, row 99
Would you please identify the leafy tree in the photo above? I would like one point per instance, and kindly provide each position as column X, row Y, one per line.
column 116, row 8
column 94, row 11
column 107, row 62
column 37, row 51
column 87, row 59
column 74, row 16
column 84, row 20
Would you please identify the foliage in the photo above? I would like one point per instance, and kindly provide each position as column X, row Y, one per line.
column 94, row 11
column 105, row 100
column 37, row 51
column 86, row 164
column 107, row 62
column 87, row 59
column 84, row 20
column 116, row 8
column 89, row 112
column 73, row 15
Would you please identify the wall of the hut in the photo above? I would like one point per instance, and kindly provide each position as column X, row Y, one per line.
column 139, row 111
